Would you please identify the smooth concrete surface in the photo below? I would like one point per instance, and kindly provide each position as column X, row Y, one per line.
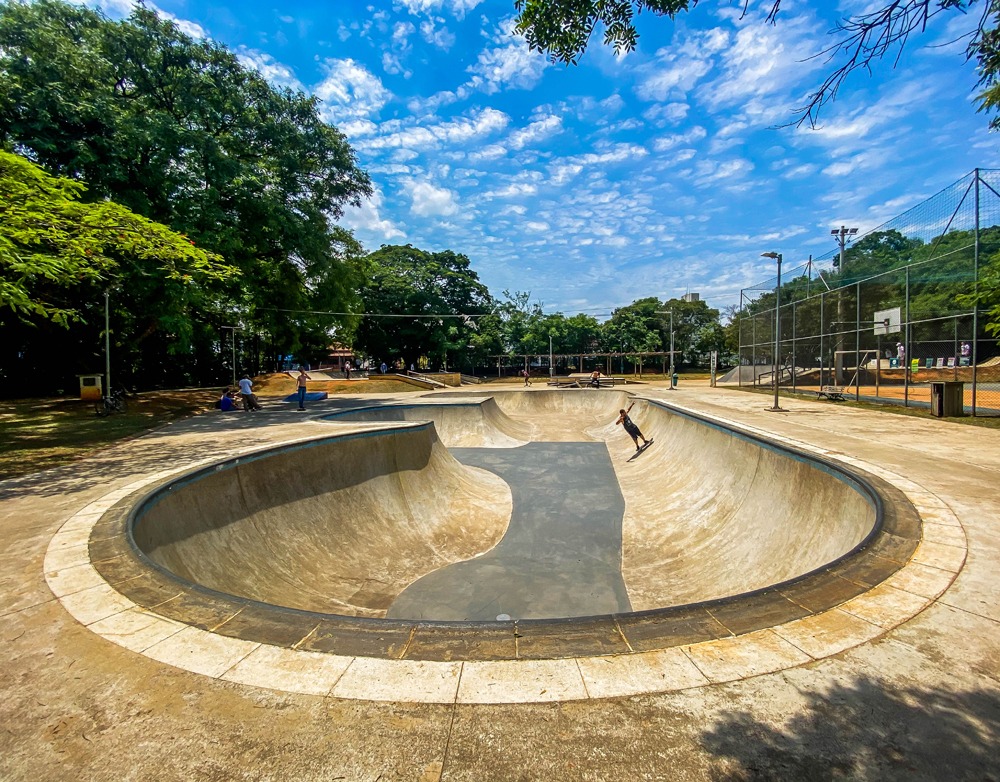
column 561, row 553
column 913, row 695
column 345, row 525
column 339, row 526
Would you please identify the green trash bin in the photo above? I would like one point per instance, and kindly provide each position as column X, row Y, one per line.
column 947, row 398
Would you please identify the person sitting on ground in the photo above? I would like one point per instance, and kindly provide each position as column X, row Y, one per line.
column 227, row 403
column 595, row 379
column 630, row 427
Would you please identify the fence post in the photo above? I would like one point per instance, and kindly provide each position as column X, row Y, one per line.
column 975, row 302
column 857, row 342
column 906, row 341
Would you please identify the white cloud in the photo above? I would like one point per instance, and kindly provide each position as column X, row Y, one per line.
column 441, row 37
column 458, row 8
column 675, row 79
column 536, row 131
column 430, row 201
column 488, row 152
column 696, row 133
column 277, row 73
column 121, row 8
column 663, row 114
column 368, row 222
column 455, row 132
column 510, row 64
column 513, row 190
column 350, row 91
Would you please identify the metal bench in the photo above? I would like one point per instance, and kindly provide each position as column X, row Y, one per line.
column 833, row 393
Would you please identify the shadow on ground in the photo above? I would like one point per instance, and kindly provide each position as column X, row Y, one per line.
column 158, row 449
column 864, row 731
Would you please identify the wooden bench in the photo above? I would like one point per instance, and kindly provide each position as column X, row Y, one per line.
column 833, row 393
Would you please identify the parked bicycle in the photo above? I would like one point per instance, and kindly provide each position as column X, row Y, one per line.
column 115, row 402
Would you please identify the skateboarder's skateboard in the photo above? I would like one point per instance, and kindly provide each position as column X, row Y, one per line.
column 642, row 448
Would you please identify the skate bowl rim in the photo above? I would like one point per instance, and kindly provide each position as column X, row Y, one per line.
column 864, row 566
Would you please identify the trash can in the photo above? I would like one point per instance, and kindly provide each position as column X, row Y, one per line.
column 673, row 380
column 91, row 388
column 947, row 398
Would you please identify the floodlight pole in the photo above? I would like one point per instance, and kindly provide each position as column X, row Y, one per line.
column 777, row 327
column 671, row 313
column 107, row 346
column 672, row 349
column 841, row 235
column 233, row 329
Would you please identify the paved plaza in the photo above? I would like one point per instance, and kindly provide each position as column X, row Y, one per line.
column 912, row 693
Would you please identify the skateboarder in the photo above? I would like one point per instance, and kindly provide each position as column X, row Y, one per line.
column 631, row 428
column 300, row 387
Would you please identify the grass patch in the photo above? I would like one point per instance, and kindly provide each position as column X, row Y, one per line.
column 36, row 434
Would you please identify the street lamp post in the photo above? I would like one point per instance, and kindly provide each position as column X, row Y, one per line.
column 233, row 329
column 671, row 348
column 671, row 313
column 777, row 327
column 107, row 347
column 552, row 370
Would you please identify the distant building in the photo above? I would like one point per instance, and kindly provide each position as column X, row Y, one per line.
column 691, row 297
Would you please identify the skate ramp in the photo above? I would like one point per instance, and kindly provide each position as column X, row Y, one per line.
column 478, row 423
column 554, row 415
column 340, row 525
column 712, row 513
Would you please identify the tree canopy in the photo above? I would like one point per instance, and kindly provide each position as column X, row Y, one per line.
column 52, row 244
column 417, row 299
column 180, row 132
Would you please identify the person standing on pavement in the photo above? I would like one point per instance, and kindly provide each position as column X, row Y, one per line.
column 250, row 402
column 301, row 384
column 527, row 377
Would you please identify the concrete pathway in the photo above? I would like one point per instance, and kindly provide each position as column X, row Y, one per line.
column 919, row 702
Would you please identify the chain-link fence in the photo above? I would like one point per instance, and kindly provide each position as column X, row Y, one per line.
column 887, row 316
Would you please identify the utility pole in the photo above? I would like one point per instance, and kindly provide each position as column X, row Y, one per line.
column 841, row 235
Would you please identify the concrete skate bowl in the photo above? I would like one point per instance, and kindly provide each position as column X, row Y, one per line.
column 309, row 546
column 479, row 423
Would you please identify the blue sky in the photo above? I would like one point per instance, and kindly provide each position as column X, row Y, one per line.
column 651, row 174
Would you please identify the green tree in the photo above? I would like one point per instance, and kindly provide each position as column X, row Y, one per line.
column 52, row 244
column 180, row 132
column 415, row 302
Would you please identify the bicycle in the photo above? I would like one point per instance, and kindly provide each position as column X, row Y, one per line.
column 113, row 403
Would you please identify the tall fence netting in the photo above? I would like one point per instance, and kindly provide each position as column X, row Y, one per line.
column 890, row 318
